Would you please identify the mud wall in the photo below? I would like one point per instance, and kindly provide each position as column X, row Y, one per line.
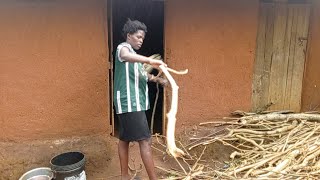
column 311, row 82
column 53, row 69
column 216, row 41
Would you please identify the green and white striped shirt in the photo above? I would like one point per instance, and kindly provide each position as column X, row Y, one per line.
column 130, row 84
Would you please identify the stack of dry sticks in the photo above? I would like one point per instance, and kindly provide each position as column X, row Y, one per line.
column 266, row 146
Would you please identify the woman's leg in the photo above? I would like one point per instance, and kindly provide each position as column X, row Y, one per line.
column 146, row 156
column 123, row 150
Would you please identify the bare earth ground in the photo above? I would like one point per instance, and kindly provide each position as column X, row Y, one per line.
column 102, row 161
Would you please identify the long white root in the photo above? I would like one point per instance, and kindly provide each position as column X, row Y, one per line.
column 173, row 149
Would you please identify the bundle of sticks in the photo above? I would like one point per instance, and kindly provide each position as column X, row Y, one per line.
column 266, row 146
column 274, row 145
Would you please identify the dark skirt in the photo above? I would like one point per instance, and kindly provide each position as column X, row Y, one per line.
column 133, row 126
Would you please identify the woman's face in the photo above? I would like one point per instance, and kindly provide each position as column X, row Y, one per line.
column 136, row 39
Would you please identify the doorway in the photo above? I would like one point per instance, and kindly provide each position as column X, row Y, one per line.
column 151, row 13
column 280, row 55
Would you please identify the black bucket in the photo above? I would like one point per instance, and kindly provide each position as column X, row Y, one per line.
column 67, row 165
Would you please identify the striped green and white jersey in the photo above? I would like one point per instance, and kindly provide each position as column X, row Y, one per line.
column 130, row 84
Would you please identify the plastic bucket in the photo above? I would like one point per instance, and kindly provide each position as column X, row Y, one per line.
column 67, row 164
column 43, row 173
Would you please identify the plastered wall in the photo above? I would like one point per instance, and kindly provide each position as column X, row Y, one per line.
column 53, row 69
column 216, row 41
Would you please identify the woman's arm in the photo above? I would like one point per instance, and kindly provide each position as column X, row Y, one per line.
column 126, row 55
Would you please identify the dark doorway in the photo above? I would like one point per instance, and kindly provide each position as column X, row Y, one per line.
column 150, row 12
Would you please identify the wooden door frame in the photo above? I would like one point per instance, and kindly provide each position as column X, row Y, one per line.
column 108, row 22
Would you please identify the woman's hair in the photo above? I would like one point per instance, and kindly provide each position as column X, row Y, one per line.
column 132, row 27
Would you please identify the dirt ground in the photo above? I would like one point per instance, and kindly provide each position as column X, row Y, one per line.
column 102, row 161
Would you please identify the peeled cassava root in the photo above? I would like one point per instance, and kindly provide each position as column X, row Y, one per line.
column 170, row 137
column 173, row 149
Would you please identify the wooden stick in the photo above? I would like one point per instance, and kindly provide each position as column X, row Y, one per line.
column 251, row 141
column 272, row 117
column 282, row 165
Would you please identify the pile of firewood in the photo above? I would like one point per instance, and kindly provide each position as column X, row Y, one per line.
column 266, row 146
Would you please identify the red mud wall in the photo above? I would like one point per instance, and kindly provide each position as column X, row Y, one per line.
column 53, row 69
column 216, row 41
column 311, row 86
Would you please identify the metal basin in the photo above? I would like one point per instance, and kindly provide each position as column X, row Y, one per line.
column 42, row 173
